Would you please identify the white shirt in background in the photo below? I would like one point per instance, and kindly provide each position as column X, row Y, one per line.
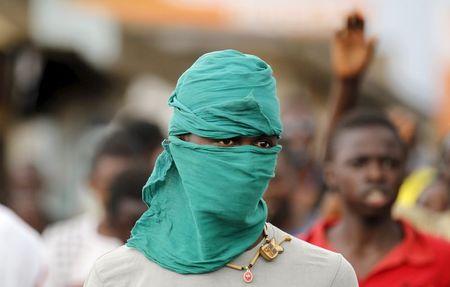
column 95, row 246
column 22, row 255
column 73, row 245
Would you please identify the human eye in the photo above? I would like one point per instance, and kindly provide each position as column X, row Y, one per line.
column 226, row 142
column 264, row 143
column 358, row 162
column 390, row 163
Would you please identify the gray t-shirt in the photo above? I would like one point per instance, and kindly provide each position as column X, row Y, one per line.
column 301, row 264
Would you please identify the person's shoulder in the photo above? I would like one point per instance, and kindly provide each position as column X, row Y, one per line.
column 309, row 251
column 440, row 247
column 116, row 256
column 319, row 261
column 424, row 240
column 17, row 231
column 72, row 227
column 119, row 264
column 23, row 246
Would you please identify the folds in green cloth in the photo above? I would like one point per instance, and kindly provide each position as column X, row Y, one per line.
column 205, row 202
column 226, row 94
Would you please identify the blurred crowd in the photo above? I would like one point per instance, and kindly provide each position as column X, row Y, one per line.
column 59, row 246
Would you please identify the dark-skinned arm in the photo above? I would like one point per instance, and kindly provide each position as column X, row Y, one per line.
column 351, row 53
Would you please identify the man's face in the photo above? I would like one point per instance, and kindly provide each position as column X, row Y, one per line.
column 104, row 172
column 367, row 170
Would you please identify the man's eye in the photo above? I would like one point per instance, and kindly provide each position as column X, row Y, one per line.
column 359, row 162
column 264, row 144
column 390, row 163
column 226, row 142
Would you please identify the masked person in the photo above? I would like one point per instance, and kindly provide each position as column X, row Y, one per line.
column 365, row 167
column 206, row 222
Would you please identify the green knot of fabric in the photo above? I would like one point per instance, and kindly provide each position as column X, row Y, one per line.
column 226, row 94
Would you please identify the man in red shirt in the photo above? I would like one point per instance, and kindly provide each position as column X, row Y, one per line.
column 364, row 165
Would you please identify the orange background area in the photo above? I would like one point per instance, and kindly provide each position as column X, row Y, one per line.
column 159, row 12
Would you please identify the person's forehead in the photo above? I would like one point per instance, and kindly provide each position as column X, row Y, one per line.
column 110, row 165
column 370, row 140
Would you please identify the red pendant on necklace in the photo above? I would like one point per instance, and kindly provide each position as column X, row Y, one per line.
column 248, row 276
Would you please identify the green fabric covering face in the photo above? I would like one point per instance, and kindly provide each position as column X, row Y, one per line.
column 205, row 201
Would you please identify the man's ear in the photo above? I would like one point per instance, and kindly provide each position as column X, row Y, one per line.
column 330, row 176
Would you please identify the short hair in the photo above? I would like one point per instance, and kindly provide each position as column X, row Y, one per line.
column 116, row 143
column 126, row 185
column 360, row 119
column 148, row 136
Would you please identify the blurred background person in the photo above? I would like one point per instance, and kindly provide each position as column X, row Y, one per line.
column 436, row 196
column 117, row 151
column 408, row 127
column 23, row 255
column 365, row 166
column 25, row 194
column 124, row 206
column 306, row 184
column 430, row 186
column 147, row 136
column 351, row 54
column 278, row 192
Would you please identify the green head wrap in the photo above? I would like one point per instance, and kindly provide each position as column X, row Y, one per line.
column 205, row 201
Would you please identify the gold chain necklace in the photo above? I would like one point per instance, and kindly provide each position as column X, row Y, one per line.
column 269, row 250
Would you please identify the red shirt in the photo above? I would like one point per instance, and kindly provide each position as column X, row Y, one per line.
column 419, row 260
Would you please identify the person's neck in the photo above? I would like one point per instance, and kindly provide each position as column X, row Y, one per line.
column 360, row 233
column 104, row 228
